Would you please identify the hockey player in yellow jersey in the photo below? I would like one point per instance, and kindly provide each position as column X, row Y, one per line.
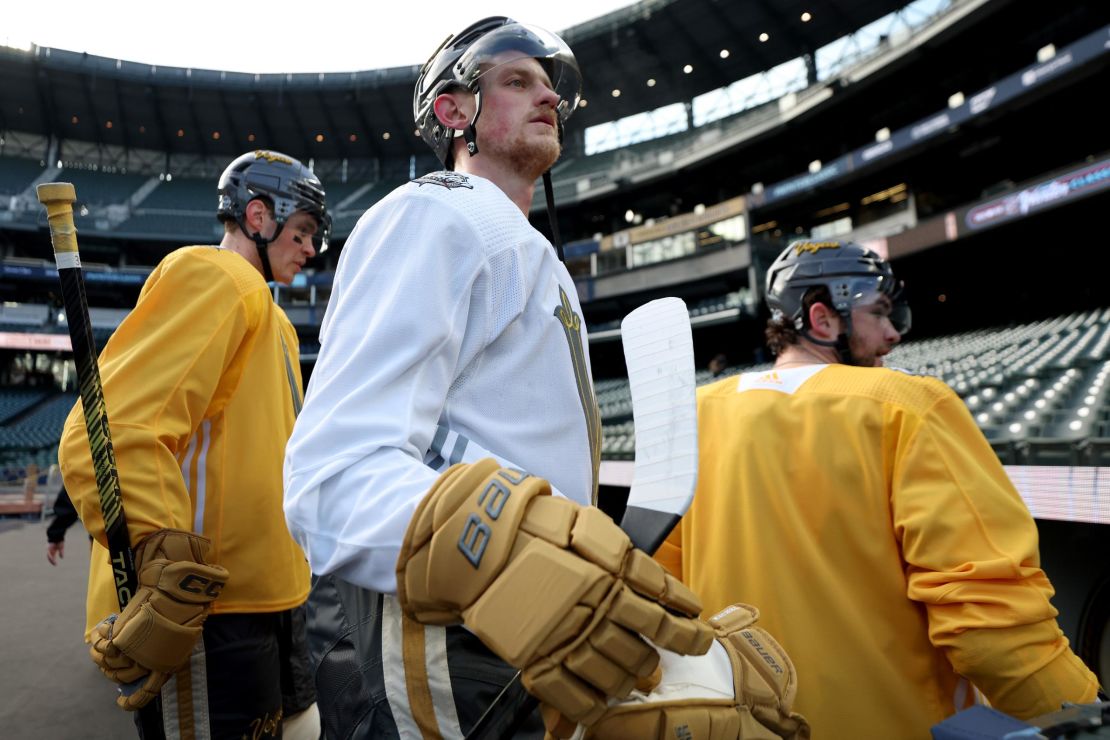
column 863, row 511
column 202, row 385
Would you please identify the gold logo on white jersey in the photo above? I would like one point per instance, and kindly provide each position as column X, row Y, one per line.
column 572, row 327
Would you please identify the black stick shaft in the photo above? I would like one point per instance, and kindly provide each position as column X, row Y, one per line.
column 58, row 199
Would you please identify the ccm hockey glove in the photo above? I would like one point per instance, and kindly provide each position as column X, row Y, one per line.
column 156, row 632
column 553, row 588
column 742, row 689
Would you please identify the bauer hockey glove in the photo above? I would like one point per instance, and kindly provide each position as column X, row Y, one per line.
column 156, row 632
column 553, row 588
column 742, row 689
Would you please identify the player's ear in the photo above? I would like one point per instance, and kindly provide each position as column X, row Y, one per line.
column 255, row 215
column 824, row 322
column 454, row 109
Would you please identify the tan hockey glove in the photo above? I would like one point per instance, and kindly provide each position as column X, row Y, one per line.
column 157, row 630
column 743, row 689
column 554, row 588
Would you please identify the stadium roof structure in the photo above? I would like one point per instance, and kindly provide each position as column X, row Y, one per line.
column 687, row 47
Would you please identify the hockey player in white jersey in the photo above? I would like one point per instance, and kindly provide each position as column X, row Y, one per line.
column 441, row 474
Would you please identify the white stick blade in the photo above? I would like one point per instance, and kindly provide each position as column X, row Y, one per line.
column 659, row 355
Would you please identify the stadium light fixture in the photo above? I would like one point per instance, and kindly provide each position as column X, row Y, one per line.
column 616, row 92
column 629, row 216
column 882, row 134
column 107, row 124
column 319, row 138
column 955, row 100
column 250, row 137
column 815, row 166
column 651, row 82
column 73, row 120
column 688, row 68
column 724, row 53
column 1046, row 52
column 215, row 136
column 386, row 135
column 757, row 188
column 583, row 103
column 352, row 138
column 807, row 17
column 764, row 37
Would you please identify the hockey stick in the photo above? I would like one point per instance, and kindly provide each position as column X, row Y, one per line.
column 659, row 355
column 58, row 197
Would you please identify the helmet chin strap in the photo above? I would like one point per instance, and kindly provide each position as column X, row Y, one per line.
column 261, row 243
column 841, row 345
column 470, row 133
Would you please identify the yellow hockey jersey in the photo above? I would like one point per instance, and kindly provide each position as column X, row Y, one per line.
column 200, row 383
column 866, row 516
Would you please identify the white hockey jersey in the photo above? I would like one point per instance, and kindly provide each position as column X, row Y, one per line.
column 453, row 333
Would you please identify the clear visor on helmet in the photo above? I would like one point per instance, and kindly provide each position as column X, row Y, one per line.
column 519, row 41
column 885, row 292
column 323, row 234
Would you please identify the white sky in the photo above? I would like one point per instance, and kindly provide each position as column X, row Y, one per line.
column 274, row 35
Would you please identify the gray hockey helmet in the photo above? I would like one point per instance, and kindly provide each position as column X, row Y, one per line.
column 462, row 59
column 287, row 184
column 854, row 276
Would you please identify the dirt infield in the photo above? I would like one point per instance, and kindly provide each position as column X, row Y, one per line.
column 49, row 688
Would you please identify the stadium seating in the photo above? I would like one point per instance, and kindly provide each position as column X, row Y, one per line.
column 41, row 428
column 100, row 188
column 15, row 401
column 17, row 174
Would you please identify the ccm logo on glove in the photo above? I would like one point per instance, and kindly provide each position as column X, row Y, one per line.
column 195, row 584
column 476, row 533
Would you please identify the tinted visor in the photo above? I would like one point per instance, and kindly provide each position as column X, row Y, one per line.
column 519, row 41
column 867, row 291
